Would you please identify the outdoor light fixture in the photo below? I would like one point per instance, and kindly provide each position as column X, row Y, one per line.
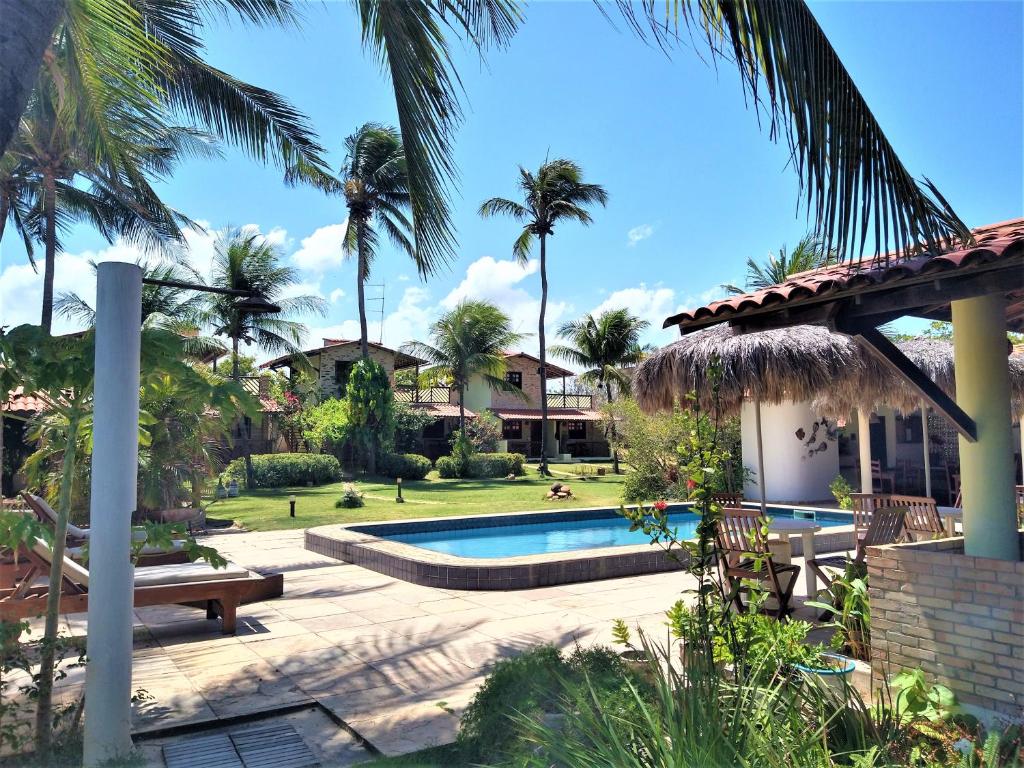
column 399, row 499
column 247, row 301
column 291, row 504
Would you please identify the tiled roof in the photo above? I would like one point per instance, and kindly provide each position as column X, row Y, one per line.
column 441, row 409
column 1003, row 242
column 402, row 359
column 554, row 414
column 553, row 370
column 22, row 403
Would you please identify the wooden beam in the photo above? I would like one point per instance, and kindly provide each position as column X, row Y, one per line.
column 891, row 356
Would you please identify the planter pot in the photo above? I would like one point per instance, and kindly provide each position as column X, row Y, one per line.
column 837, row 672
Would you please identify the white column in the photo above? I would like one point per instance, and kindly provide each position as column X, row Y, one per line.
column 760, row 456
column 983, row 391
column 864, row 448
column 927, row 450
column 114, row 471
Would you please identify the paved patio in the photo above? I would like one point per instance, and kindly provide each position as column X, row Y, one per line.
column 393, row 661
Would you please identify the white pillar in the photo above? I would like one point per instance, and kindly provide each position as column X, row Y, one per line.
column 927, row 450
column 983, row 391
column 760, row 456
column 114, row 471
column 864, row 449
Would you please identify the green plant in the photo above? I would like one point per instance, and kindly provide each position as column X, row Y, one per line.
column 850, row 607
column 481, row 465
column 351, row 498
column 409, row 424
column 841, row 490
column 448, row 467
column 370, row 410
column 326, row 425
column 916, row 699
column 640, row 486
column 408, row 466
column 278, row 470
column 483, row 432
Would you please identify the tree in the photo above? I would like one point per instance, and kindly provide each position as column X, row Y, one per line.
column 809, row 253
column 375, row 182
column 604, row 346
column 556, row 192
column 371, row 406
column 468, row 340
column 247, row 261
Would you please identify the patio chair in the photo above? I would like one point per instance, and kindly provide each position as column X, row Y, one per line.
column 78, row 537
column 727, row 500
column 745, row 556
column 880, row 477
column 887, row 527
column 220, row 591
column 922, row 521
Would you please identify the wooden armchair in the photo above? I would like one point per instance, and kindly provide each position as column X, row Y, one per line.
column 744, row 556
column 879, row 477
column 887, row 527
column 727, row 500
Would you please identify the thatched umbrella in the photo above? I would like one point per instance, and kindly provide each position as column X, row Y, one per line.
column 774, row 366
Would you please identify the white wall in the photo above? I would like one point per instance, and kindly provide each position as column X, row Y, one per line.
column 791, row 475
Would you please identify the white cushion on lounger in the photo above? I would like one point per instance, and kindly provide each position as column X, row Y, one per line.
column 186, row 573
column 72, row 570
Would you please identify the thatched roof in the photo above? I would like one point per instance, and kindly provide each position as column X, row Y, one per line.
column 797, row 363
column 805, row 362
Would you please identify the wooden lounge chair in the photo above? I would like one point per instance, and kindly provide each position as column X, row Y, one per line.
column 887, row 527
column 78, row 537
column 922, row 521
column 220, row 591
column 744, row 556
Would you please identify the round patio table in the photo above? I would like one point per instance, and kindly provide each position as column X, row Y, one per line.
column 786, row 527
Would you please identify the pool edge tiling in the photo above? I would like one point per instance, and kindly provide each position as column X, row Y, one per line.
column 357, row 544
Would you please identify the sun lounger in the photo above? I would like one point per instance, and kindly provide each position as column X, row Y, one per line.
column 220, row 591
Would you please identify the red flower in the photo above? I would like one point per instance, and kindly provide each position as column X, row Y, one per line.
column 661, row 505
column 691, row 484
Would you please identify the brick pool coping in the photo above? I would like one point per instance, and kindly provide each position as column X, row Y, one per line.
column 358, row 543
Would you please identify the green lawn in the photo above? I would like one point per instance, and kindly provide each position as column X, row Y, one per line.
column 267, row 510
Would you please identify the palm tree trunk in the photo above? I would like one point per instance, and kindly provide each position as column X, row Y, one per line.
column 236, row 375
column 49, row 214
column 615, row 452
column 26, row 32
column 364, row 336
column 48, row 651
column 543, row 357
column 462, row 409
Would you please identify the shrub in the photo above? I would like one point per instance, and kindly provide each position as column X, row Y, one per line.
column 352, row 498
column 409, row 424
column 644, row 486
column 448, row 467
column 495, row 464
column 326, row 424
column 841, row 490
column 483, row 432
column 408, row 466
column 277, row 470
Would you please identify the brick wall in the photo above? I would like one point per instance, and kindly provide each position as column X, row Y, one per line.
column 959, row 618
column 348, row 353
column 531, row 385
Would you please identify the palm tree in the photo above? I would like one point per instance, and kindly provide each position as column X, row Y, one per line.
column 555, row 193
column 246, row 261
column 603, row 346
column 809, row 253
column 468, row 340
column 375, row 182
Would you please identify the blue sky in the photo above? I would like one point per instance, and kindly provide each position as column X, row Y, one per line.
column 695, row 186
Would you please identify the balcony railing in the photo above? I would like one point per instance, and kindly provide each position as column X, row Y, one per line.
column 426, row 395
column 565, row 400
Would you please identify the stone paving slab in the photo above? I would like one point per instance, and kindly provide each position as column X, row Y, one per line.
column 396, row 661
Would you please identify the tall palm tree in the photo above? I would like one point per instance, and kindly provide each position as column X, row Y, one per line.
column 809, row 253
column 604, row 346
column 246, row 261
column 556, row 192
column 375, row 182
column 468, row 340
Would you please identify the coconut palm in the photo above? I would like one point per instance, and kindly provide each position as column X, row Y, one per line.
column 247, row 261
column 375, row 182
column 556, row 192
column 468, row 340
column 809, row 253
column 604, row 346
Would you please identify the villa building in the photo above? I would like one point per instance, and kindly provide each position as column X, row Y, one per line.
column 574, row 429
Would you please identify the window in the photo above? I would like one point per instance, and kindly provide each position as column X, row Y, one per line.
column 512, row 430
column 515, row 378
column 577, row 430
column 342, row 370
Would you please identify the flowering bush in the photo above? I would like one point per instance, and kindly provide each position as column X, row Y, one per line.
column 352, row 498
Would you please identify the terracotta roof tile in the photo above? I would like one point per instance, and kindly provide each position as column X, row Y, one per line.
column 441, row 409
column 994, row 242
column 19, row 402
column 554, row 414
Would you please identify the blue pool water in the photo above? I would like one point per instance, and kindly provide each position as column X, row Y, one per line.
column 601, row 528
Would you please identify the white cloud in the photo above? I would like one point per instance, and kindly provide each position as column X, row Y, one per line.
column 638, row 233
column 498, row 281
column 410, row 320
column 337, row 295
column 652, row 304
column 403, row 278
column 321, row 251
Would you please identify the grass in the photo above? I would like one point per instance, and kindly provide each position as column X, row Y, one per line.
column 267, row 510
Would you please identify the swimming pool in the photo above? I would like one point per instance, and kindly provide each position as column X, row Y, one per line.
column 599, row 529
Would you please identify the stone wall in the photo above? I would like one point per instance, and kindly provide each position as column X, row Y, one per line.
column 325, row 361
column 959, row 618
column 531, row 385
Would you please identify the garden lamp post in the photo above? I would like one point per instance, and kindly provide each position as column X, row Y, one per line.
column 115, row 462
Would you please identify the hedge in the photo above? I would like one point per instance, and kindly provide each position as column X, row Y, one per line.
column 276, row 470
column 408, row 466
column 483, row 465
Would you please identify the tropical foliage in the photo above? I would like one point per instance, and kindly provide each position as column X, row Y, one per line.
column 556, row 192
column 809, row 253
column 371, row 406
column 280, row 470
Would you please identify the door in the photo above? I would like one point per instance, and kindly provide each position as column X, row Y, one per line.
column 878, row 444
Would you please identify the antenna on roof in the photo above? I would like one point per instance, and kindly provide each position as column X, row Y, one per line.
column 367, row 300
